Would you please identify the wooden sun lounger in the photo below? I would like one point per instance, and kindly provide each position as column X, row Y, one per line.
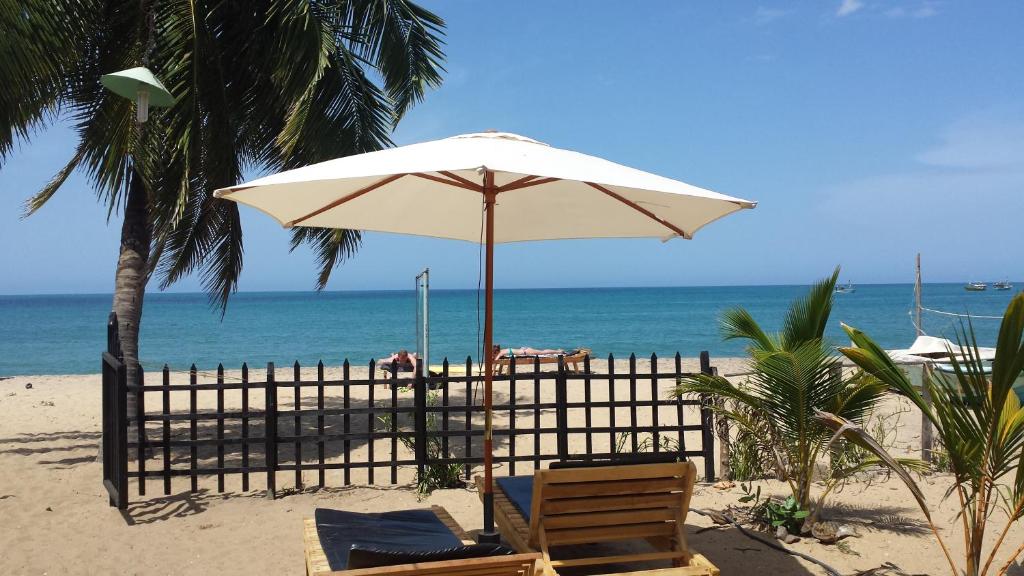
column 606, row 504
column 514, row 565
column 571, row 360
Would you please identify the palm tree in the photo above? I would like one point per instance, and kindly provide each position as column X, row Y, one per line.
column 794, row 373
column 979, row 420
column 259, row 85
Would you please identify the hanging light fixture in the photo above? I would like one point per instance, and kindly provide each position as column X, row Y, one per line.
column 141, row 85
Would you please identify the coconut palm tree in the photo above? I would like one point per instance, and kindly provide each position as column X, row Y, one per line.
column 979, row 420
column 794, row 373
column 259, row 85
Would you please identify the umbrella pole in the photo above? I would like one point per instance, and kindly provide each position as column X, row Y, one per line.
column 488, row 534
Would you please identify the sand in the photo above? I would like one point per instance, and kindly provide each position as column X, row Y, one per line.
column 55, row 519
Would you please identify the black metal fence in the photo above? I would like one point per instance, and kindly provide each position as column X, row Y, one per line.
column 330, row 428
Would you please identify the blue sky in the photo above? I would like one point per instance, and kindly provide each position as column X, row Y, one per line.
column 868, row 130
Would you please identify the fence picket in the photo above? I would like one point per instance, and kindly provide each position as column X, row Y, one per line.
column 166, row 411
column 297, row 405
column 655, row 436
column 320, row 448
column 612, row 440
column 245, row 427
column 632, row 402
column 220, row 427
column 140, row 429
column 192, row 430
column 270, row 432
column 346, row 422
column 370, row 422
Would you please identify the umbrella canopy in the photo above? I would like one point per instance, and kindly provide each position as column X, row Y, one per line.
column 545, row 193
column 489, row 187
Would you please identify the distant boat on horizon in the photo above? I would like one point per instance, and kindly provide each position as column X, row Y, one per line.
column 847, row 289
column 976, row 287
column 1004, row 285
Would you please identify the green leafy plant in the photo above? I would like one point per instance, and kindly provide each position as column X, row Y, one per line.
column 788, row 514
column 772, row 513
column 980, row 423
column 794, row 373
column 435, row 474
column 750, row 454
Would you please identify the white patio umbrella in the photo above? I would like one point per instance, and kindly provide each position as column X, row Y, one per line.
column 489, row 188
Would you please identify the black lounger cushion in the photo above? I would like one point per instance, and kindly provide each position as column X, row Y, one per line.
column 401, row 531
column 367, row 557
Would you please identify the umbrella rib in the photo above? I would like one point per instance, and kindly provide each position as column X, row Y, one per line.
column 459, row 183
column 679, row 231
column 344, row 199
column 467, row 183
column 524, row 183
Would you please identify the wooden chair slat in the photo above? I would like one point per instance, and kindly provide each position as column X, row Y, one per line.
column 616, row 518
column 613, row 487
column 610, row 503
column 564, row 537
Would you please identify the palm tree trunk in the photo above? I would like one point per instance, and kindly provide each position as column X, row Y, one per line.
column 131, row 277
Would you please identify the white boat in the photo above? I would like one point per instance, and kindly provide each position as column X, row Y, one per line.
column 847, row 289
column 1004, row 285
column 936, row 352
column 976, row 287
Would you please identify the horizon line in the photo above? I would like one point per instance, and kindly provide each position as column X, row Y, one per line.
column 538, row 288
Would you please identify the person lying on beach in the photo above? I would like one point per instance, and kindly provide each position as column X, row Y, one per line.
column 406, row 362
column 527, row 351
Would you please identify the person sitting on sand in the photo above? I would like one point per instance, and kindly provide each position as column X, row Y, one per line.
column 406, row 362
column 527, row 351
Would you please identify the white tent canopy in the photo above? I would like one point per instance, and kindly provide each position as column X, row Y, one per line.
column 433, row 189
column 931, row 348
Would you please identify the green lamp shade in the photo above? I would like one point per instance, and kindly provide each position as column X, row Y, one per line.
column 128, row 83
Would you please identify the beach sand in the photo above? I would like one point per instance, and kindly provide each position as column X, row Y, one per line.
column 55, row 519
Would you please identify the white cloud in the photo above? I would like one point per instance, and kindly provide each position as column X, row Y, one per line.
column 925, row 9
column 848, row 7
column 764, row 16
column 960, row 205
column 985, row 140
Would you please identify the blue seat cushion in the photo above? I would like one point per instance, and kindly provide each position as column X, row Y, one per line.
column 401, row 531
column 519, row 491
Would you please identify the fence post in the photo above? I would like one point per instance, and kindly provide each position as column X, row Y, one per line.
column 113, row 337
column 724, row 438
column 707, row 423
column 562, row 411
column 140, row 429
column 270, row 432
column 420, row 420
column 926, row 424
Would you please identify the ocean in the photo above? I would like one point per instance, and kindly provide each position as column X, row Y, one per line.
column 65, row 334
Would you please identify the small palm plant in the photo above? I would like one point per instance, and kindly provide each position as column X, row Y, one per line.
column 794, row 373
column 980, row 422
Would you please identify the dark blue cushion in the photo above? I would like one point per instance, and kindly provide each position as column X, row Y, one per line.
column 519, row 491
column 403, row 531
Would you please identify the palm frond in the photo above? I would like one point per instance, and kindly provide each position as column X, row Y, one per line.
column 332, row 247
column 808, row 316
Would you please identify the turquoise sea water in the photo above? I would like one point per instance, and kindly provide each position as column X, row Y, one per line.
column 65, row 334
